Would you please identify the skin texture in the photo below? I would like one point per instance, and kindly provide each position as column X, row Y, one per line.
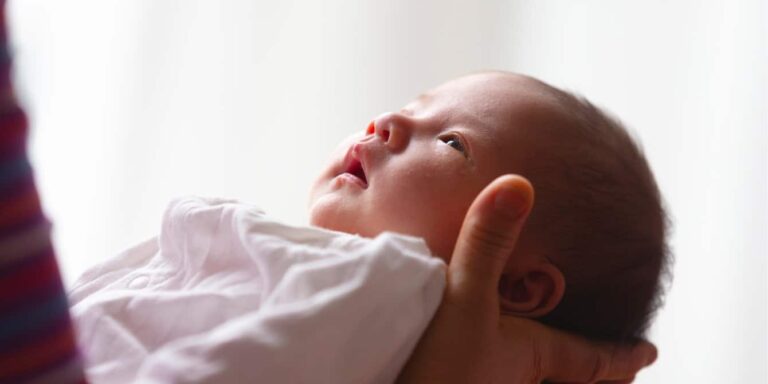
column 418, row 184
column 443, row 168
column 470, row 341
column 426, row 163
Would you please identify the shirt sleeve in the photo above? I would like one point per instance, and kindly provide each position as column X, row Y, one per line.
column 37, row 341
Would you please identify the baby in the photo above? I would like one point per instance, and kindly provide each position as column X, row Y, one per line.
column 591, row 255
column 226, row 294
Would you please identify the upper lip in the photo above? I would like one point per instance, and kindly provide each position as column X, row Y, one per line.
column 354, row 163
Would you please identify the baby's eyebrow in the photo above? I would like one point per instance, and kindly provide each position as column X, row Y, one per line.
column 424, row 98
column 421, row 99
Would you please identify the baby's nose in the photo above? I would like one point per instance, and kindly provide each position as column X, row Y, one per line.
column 382, row 132
column 393, row 128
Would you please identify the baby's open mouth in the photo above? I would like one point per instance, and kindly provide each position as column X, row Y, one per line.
column 355, row 168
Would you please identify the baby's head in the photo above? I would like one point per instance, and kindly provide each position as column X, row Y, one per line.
column 591, row 254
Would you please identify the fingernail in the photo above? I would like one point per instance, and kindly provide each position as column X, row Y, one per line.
column 510, row 202
column 652, row 358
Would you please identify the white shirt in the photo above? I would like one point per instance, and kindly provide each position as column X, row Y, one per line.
column 226, row 295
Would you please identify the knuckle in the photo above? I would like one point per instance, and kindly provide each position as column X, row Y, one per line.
column 489, row 238
column 600, row 369
column 537, row 366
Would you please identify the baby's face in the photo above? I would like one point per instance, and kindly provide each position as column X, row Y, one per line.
column 416, row 171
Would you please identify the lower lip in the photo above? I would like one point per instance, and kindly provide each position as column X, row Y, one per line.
column 348, row 177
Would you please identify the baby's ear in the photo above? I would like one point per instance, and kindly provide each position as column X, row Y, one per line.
column 532, row 290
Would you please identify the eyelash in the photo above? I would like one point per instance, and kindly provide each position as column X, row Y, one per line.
column 456, row 139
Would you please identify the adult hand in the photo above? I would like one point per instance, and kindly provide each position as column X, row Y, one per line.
column 469, row 341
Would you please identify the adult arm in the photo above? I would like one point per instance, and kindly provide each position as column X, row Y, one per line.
column 469, row 341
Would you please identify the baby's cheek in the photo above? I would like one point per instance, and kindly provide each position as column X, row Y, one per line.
column 430, row 214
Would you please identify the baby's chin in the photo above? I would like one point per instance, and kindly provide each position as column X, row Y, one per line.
column 325, row 214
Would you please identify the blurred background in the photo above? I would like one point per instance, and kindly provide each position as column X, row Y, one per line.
column 135, row 102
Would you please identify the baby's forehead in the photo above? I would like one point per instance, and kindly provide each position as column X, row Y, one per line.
column 504, row 116
column 501, row 98
column 507, row 86
column 507, row 101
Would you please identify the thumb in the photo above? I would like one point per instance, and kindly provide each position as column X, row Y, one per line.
column 488, row 236
column 575, row 359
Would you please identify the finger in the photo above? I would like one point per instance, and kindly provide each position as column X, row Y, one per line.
column 623, row 381
column 572, row 358
column 488, row 236
column 627, row 381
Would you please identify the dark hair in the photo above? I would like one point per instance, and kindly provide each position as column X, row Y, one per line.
column 600, row 215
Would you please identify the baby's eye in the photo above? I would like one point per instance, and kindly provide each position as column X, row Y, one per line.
column 455, row 142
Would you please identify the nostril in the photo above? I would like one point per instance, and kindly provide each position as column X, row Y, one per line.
column 392, row 128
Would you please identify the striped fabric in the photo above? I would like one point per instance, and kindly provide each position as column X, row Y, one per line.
column 37, row 343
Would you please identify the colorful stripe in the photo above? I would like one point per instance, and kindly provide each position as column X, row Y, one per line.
column 37, row 341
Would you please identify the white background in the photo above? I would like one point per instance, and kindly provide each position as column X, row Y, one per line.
column 135, row 102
